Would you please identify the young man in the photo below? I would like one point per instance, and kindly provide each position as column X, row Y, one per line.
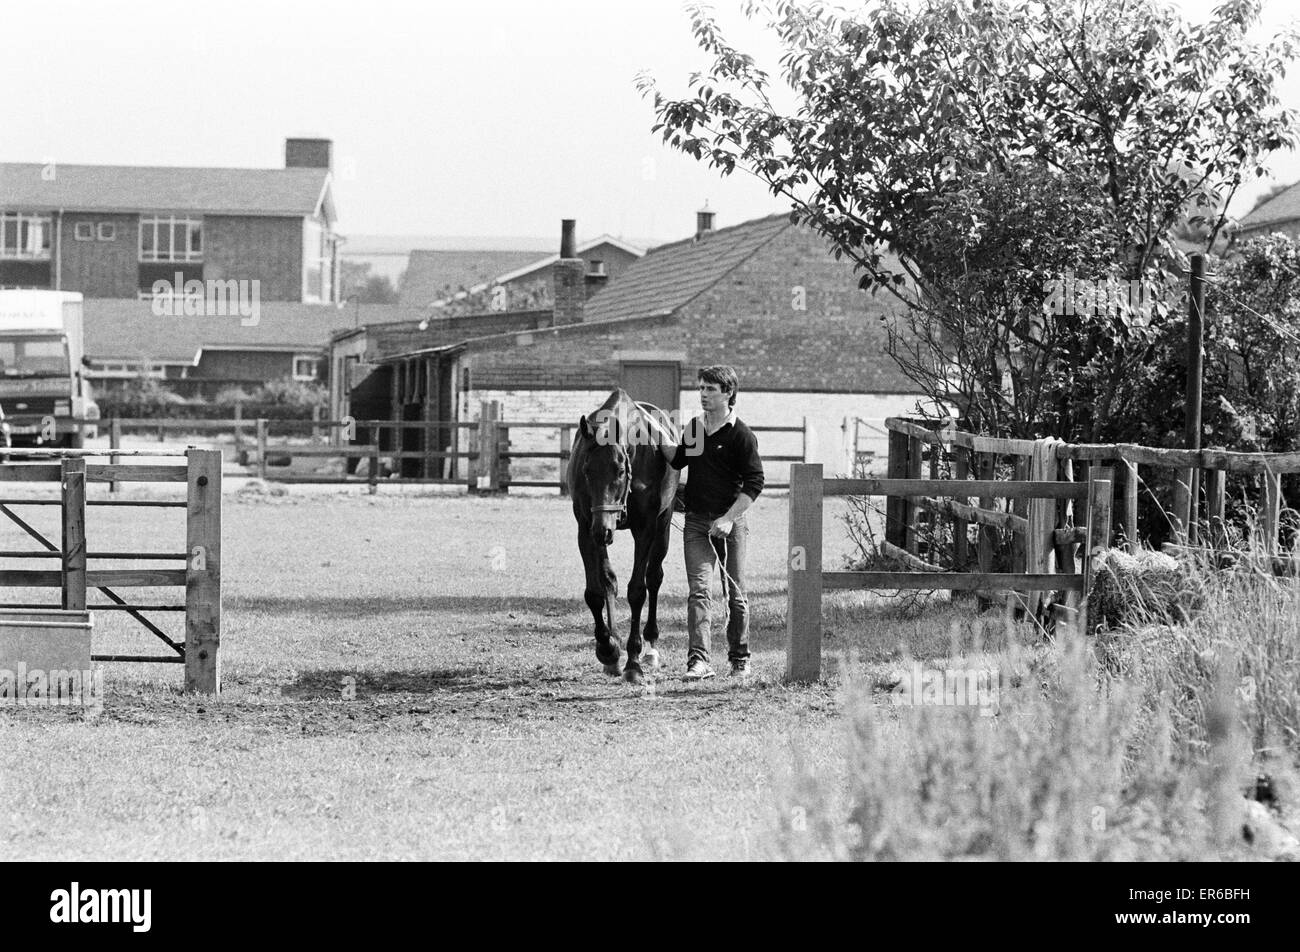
column 726, row 477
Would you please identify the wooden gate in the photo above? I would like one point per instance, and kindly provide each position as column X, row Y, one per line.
column 1043, row 539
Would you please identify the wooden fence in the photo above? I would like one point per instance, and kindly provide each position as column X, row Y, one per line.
column 484, row 445
column 1048, row 500
column 1196, row 513
column 200, row 560
column 1042, row 519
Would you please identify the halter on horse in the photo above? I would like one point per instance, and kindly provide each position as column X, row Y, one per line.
column 619, row 480
column 621, row 506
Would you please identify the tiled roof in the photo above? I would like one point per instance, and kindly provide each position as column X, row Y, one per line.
column 122, row 329
column 671, row 275
column 579, row 251
column 429, row 274
column 118, row 188
column 1284, row 206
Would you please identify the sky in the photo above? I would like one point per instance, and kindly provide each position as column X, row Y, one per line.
column 475, row 118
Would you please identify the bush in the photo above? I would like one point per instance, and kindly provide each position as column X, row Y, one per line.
column 141, row 397
column 295, row 394
column 150, row 398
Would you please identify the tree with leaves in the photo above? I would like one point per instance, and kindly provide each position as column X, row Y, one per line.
column 980, row 161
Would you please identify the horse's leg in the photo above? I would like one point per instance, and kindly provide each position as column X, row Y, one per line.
column 636, row 589
column 654, row 576
column 601, row 588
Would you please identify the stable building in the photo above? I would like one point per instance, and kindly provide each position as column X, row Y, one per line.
column 765, row 296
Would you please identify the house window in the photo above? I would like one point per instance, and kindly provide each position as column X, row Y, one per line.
column 114, row 369
column 317, row 263
column 107, row 231
column 85, row 231
column 167, row 238
column 24, row 236
column 304, row 367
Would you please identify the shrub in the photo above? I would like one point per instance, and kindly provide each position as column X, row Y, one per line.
column 141, row 397
column 297, row 394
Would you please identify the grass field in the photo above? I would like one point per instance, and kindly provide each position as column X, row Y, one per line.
column 481, row 724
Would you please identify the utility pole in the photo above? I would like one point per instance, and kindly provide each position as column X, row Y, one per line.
column 1185, row 507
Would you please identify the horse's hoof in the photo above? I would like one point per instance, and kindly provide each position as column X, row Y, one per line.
column 633, row 676
column 612, row 670
column 650, row 659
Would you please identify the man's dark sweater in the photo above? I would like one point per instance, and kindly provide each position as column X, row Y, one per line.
column 723, row 465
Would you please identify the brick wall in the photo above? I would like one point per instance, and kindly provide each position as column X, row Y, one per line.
column 792, row 318
column 101, row 269
column 751, row 319
column 543, row 406
column 243, row 365
column 246, row 248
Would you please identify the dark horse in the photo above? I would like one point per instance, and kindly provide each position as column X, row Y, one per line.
column 619, row 480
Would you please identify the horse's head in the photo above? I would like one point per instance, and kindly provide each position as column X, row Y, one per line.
column 606, row 472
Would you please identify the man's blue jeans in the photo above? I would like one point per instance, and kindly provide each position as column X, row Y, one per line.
column 702, row 555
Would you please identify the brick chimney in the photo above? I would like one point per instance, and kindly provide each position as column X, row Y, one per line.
column 569, row 275
column 308, row 154
column 703, row 222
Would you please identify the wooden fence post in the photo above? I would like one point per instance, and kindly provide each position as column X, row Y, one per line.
column 566, row 450
column 1182, row 506
column 487, row 446
column 453, row 471
column 203, row 572
column 803, row 659
column 896, row 520
column 1065, row 513
column 372, row 476
column 986, row 468
column 1041, row 514
column 1130, row 524
column 1019, row 540
column 239, row 432
column 114, row 442
column 1272, row 516
column 502, row 478
column 261, row 447
column 473, row 466
column 1101, row 481
column 73, row 492
column 960, row 538
column 933, row 526
column 1185, row 499
column 1215, row 502
column 914, row 447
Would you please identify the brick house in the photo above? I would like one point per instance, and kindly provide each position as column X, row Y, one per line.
column 112, row 231
column 530, row 286
column 765, row 296
column 1281, row 214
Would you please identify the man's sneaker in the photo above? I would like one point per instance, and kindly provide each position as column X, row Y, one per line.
column 739, row 669
column 698, row 670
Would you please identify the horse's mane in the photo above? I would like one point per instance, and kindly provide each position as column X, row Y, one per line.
column 626, row 414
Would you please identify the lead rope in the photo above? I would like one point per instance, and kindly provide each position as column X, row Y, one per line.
column 722, row 560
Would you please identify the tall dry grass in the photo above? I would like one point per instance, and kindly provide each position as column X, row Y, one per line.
column 1136, row 745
